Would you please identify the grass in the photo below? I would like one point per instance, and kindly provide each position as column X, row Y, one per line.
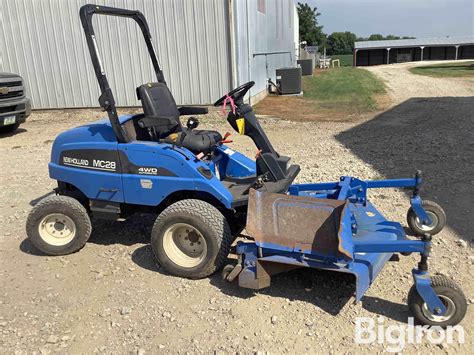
column 331, row 94
column 349, row 89
column 446, row 70
column 345, row 59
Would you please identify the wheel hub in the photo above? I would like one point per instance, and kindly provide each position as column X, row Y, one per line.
column 427, row 227
column 184, row 245
column 450, row 310
column 57, row 229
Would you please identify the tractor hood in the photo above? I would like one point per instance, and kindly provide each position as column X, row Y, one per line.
column 94, row 135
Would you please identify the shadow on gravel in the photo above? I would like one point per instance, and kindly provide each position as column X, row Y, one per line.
column 143, row 257
column 135, row 230
column 329, row 291
column 395, row 311
column 14, row 133
column 435, row 135
column 28, row 248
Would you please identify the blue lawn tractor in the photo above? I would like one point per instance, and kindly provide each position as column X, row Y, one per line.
column 205, row 193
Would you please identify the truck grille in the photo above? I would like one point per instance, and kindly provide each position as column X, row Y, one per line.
column 11, row 95
column 11, row 89
column 11, row 83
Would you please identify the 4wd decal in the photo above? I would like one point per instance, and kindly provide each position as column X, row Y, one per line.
column 129, row 168
column 143, row 170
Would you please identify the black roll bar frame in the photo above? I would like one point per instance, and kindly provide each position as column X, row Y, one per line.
column 106, row 99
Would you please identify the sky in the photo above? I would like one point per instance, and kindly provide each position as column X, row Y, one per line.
column 418, row 18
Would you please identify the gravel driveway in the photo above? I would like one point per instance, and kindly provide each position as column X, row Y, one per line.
column 112, row 297
column 403, row 85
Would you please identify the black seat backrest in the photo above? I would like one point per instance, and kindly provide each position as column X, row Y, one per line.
column 158, row 104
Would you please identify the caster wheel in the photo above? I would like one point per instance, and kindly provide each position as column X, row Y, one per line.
column 450, row 294
column 58, row 225
column 226, row 271
column 436, row 214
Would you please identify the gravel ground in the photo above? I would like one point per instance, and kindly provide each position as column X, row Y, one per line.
column 112, row 297
column 403, row 85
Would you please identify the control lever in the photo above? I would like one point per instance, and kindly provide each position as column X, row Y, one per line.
column 225, row 140
column 192, row 123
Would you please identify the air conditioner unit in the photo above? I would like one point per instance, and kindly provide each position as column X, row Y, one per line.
column 306, row 66
column 289, row 80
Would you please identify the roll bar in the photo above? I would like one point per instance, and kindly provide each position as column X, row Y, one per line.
column 106, row 99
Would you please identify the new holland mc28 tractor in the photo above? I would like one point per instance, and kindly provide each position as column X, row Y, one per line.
column 205, row 193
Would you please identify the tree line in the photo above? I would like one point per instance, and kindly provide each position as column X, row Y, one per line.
column 336, row 42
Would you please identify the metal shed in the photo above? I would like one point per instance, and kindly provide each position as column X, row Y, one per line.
column 408, row 50
column 205, row 47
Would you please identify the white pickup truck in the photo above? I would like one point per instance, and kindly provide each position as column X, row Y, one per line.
column 15, row 107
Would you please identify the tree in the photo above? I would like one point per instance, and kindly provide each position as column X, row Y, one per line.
column 309, row 29
column 341, row 42
column 376, row 37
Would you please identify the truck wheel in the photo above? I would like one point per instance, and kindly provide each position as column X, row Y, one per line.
column 191, row 238
column 9, row 128
column 435, row 212
column 450, row 294
column 58, row 225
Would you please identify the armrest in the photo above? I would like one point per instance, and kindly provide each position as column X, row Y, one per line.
column 155, row 121
column 192, row 110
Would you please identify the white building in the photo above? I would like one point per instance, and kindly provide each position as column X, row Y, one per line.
column 205, row 47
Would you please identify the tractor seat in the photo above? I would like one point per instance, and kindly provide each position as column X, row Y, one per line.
column 161, row 118
column 197, row 140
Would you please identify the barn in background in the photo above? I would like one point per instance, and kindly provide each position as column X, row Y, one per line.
column 409, row 50
column 205, row 47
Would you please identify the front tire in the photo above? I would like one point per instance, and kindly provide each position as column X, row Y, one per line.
column 58, row 225
column 191, row 238
column 449, row 293
column 435, row 212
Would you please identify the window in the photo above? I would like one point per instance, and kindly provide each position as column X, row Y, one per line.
column 261, row 6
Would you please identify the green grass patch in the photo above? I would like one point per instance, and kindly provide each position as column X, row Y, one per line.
column 446, row 70
column 346, row 59
column 352, row 90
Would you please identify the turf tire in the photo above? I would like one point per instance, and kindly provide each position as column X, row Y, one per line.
column 445, row 287
column 431, row 207
column 213, row 227
column 67, row 206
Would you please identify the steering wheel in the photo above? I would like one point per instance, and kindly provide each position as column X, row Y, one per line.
column 236, row 94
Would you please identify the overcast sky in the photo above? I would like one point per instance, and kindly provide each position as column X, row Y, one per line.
column 419, row 18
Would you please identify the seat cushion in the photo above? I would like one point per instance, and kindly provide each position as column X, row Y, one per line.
column 200, row 140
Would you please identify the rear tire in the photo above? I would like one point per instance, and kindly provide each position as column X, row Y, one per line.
column 436, row 214
column 191, row 238
column 449, row 293
column 9, row 128
column 58, row 225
